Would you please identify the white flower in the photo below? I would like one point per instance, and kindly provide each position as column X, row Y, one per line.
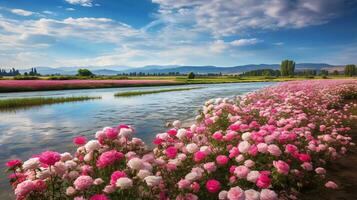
column 253, row 176
column 251, row 194
column 124, row 183
column 92, row 145
column 244, row 146
column 206, row 149
column 88, row 157
column 143, row 173
column 181, row 156
column 246, row 136
column 181, row 133
column 153, row 180
column 176, row 124
column 70, row 164
column 30, row 164
column 192, row 148
column 239, row 158
column 222, row 195
column 125, row 132
column 135, row 163
column 192, row 176
column 66, row 156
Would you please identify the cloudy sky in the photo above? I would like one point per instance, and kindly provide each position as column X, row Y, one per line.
column 175, row 32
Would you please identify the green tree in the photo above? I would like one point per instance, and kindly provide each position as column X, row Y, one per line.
column 350, row 70
column 191, row 75
column 287, row 68
column 335, row 73
column 324, row 73
column 84, row 72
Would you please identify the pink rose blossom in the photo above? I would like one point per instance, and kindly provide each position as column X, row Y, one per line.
column 213, row 186
column 49, row 157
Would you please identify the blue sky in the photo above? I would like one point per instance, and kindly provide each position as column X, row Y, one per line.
column 65, row 33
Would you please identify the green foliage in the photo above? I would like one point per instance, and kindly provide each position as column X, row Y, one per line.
column 84, row 72
column 350, row 70
column 335, row 73
column 324, row 73
column 20, row 77
column 262, row 72
column 14, row 103
column 136, row 93
column 191, row 75
column 287, row 68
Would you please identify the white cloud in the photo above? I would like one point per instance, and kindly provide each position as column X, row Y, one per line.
column 230, row 17
column 86, row 3
column 93, row 29
column 48, row 12
column 245, row 42
column 22, row 12
column 70, row 9
column 218, row 46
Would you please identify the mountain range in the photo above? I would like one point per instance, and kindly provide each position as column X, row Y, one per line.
column 113, row 70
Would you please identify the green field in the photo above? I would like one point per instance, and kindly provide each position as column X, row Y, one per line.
column 136, row 93
column 16, row 103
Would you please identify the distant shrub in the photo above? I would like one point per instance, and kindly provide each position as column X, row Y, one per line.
column 26, row 78
column 191, row 75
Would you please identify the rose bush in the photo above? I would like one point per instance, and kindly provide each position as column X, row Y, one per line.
column 270, row 144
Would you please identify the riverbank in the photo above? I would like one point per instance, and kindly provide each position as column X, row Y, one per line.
column 137, row 93
column 17, row 103
column 47, row 85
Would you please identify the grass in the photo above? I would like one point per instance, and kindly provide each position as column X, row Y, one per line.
column 136, row 93
column 15, row 103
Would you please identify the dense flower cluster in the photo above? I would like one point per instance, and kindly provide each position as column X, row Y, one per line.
column 266, row 145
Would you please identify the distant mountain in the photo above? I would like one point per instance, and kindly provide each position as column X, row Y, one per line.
column 113, row 70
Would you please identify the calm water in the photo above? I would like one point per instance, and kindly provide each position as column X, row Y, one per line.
column 30, row 131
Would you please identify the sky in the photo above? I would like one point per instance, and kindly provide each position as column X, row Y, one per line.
column 67, row 33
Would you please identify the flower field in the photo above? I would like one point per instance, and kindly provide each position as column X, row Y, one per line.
column 267, row 145
column 35, row 85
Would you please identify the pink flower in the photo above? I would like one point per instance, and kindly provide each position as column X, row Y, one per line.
column 40, row 185
column 13, row 163
column 210, row 167
column 115, row 176
column 49, row 157
column 274, row 150
column 109, row 158
column 111, row 133
column 213, row 186
column 263, row 180
column 183, row 183
column 199, row 156
column 171, row 152
column 80, row 140
column 281, row 166
column 241, row 171
column 331, row 185
column 24, row 188
column 267, row 194
column 235, row 193
column 83, row 182
column 304, row 157
column 320, row 170
column 217, row 136
column 195, row 186
column 172, row 132
column 222, row 160
column 99, row 197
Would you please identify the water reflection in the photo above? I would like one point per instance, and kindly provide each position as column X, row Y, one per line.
column 30, row 131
